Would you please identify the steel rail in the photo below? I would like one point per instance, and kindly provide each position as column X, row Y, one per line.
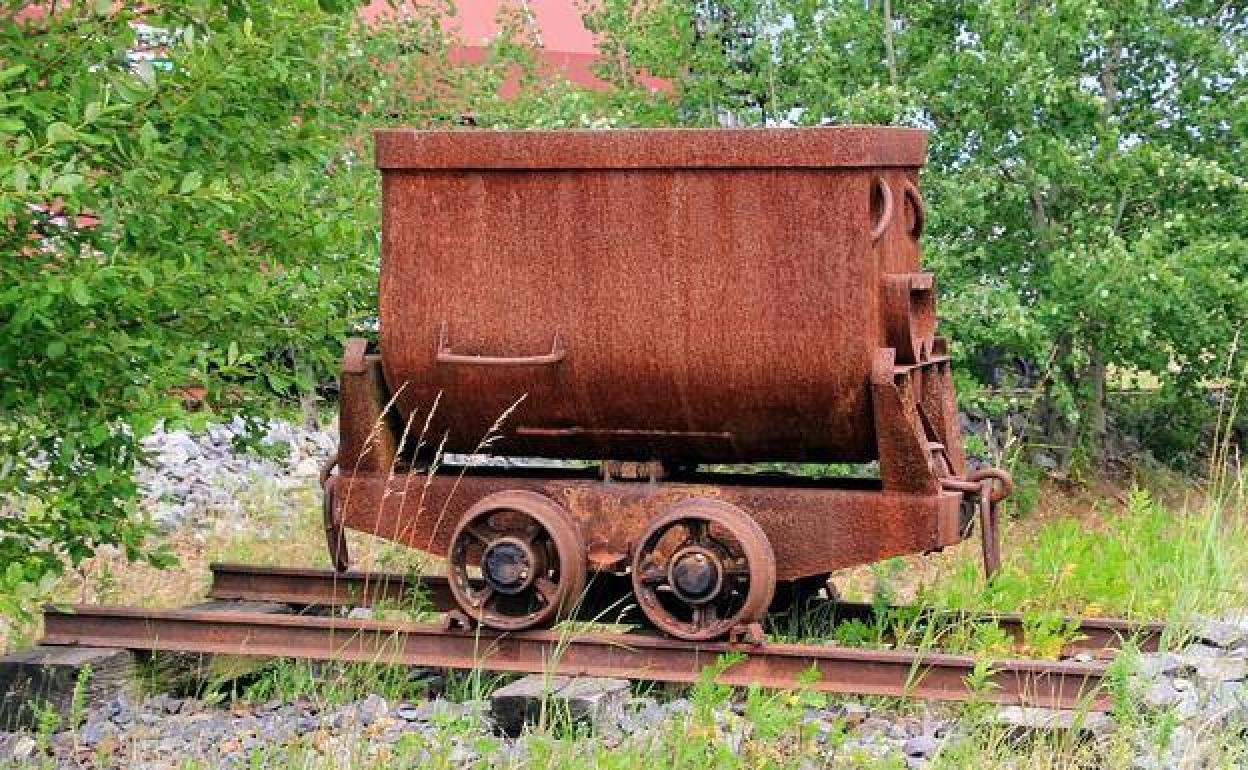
column 912, row 673
column 316, row 587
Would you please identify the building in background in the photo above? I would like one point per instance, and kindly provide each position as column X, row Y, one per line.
column 567, row 47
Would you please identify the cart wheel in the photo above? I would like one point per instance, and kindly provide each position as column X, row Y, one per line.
column 530, row 555
column 703, row 568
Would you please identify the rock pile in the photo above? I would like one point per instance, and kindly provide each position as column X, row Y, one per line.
column 160, row 732
column 1195, row 695
column 191, row 475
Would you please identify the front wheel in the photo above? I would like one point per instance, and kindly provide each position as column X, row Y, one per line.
column 531, row 558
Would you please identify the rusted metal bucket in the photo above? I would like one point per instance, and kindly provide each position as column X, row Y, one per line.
column 691, row 295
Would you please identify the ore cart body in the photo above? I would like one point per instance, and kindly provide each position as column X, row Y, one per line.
column 654, row 302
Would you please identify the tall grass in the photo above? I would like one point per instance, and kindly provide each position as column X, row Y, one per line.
column 1143, row 561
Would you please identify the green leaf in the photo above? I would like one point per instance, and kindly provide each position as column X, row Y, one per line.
column 97, row 435
column 21, row 179
column 60, row 132
column 56, row 349
column 65, row 183
column 191, row 183
column 145, row 275
column 11, row 125
column 92, row 111
column 127, row 89
column 148, row 135
column 78, row 292
column 9, row 73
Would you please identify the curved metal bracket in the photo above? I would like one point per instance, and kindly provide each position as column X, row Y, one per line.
column 880, row 186
column 447, row 356
column 991, row 485
column 335, row 530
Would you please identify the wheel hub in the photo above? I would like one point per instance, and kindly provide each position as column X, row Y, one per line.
column 508, row 565
column 695, row 574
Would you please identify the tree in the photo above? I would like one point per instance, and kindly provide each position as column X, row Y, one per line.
column 1087, row 208
column 202, row 212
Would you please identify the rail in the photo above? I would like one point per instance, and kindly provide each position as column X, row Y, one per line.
column 899, row 673
column 314, row 587
column 573, row 650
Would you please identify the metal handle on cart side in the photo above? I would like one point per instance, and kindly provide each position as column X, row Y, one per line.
column 911, row 193
column 447, row 356
column 880, row 185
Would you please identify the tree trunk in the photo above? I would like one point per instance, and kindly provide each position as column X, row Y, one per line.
column 1098, row 424
column 888, row 43
column 1058, row 431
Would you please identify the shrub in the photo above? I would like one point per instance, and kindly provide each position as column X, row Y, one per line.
column 188, row 199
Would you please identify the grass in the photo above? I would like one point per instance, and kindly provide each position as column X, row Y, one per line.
column 1138, row 559
column 1141, row 561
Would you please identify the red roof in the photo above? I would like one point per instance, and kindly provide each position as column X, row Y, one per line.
column 567, row 46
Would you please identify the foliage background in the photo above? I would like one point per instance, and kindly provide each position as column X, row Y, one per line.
column 205, row 217
column 1089, row 212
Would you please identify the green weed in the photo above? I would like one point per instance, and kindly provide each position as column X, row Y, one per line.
column 1144, row 561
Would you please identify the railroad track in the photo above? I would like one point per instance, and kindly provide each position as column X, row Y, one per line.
column 326, row 588
column 573, row 652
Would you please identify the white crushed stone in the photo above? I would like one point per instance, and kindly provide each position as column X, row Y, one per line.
column 190, row 477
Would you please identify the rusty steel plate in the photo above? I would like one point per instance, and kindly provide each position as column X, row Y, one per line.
column 829, row 147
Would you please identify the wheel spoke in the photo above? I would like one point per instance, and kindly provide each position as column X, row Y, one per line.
column 547, row 589
column 532, row 529
column 482, row 598
column 473, row 531
column 704, row 615
column 696, row 530
column 653, row 576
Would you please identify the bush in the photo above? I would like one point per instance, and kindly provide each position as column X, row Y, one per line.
column 189, row 199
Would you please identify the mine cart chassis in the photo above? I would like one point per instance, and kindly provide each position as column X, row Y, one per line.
column 701, row 554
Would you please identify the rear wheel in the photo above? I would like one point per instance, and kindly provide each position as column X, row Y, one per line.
column 703, row 568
